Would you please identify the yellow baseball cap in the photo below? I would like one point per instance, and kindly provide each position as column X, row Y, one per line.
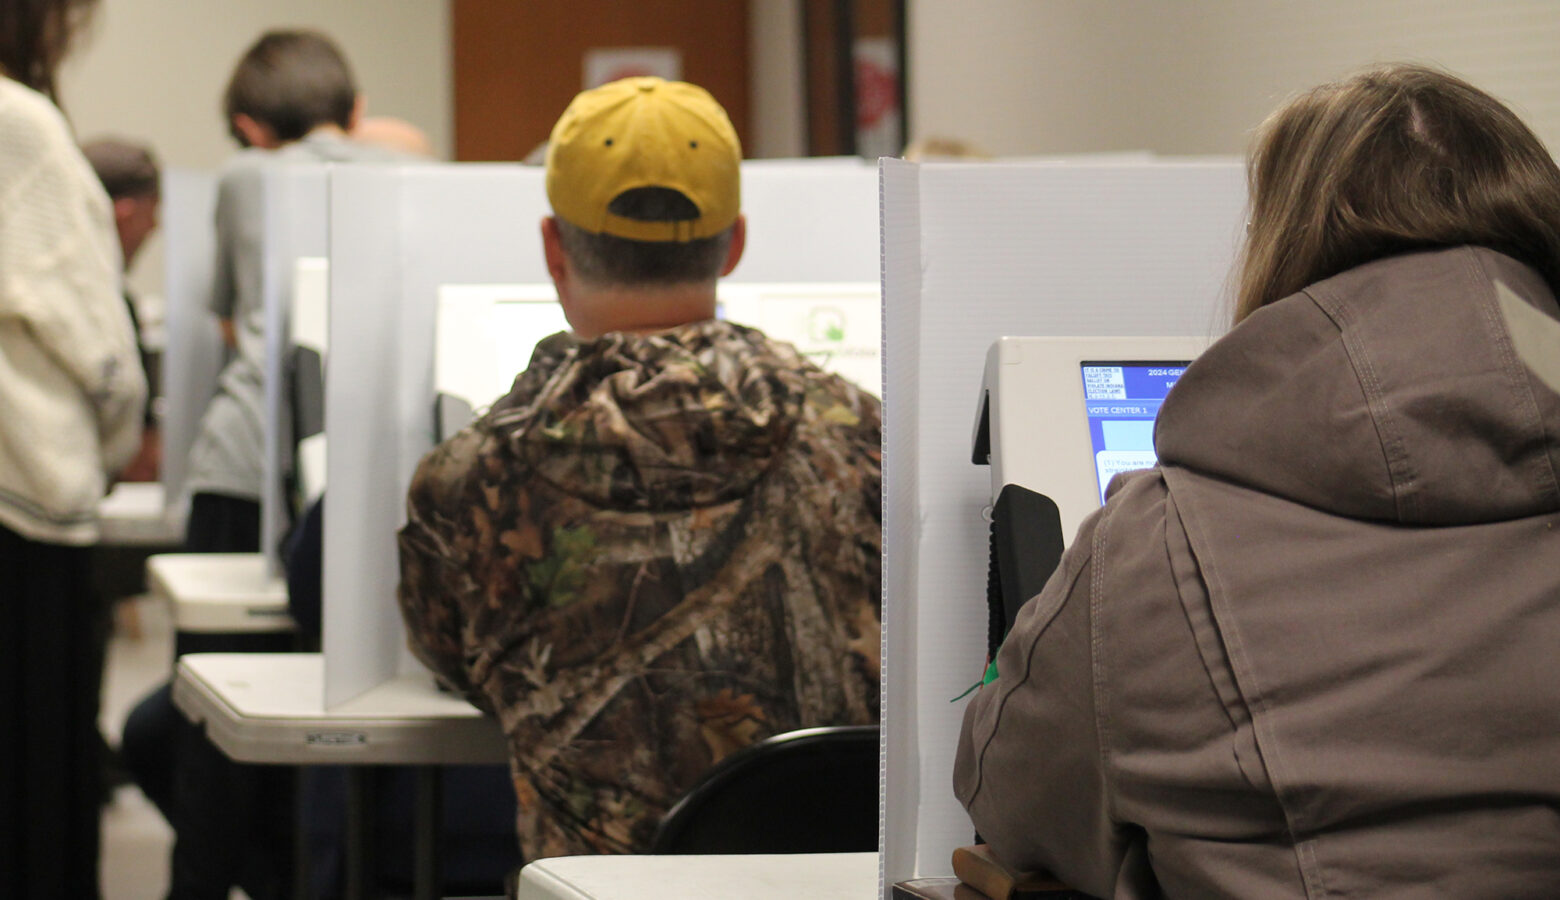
column 644, row 133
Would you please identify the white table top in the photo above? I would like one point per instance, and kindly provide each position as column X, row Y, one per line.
column 220, row 592
column 269, row 708
column 817, row 876
column 134, row 514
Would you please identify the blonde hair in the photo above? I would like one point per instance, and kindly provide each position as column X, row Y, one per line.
column 928, row 149
column 1397, row 158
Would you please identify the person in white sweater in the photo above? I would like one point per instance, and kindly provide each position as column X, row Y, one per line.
column 70, row 379
column 71, row 392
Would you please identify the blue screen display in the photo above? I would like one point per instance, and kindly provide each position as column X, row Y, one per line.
column 1122, row 400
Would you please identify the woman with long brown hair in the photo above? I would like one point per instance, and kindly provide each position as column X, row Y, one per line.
column 1313, row 651
column 71, row 392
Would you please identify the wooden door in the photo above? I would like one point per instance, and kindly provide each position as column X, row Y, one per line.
column 519, row 62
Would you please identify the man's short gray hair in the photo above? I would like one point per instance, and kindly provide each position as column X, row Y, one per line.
column 607, row 260
column 127, row 169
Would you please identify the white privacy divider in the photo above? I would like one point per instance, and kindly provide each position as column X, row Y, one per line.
column 194, row 354
column 399, row 236
column 972, row 253
column 295, row 224
column 809, row 222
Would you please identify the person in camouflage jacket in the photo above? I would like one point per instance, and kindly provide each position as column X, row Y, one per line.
column 654, row 551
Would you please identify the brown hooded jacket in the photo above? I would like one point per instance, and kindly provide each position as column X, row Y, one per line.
column 1316, row 653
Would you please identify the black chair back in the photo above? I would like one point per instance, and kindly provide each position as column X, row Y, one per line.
column 808, row 791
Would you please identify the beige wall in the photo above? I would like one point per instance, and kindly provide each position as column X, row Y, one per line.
column 1027, row 77
column 155, row 69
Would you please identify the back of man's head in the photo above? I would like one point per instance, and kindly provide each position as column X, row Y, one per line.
column 131, row 180
column 126, row 169
column 643, row 176
column 291, row 82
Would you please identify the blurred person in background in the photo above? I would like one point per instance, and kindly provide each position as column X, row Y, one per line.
column 72, row 392
column 291, row 99
column 131, row 177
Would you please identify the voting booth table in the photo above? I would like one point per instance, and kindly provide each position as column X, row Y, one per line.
column 815, row 876
column 1034, row 315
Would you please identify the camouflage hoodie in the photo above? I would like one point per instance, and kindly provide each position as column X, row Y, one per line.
column 655, row 550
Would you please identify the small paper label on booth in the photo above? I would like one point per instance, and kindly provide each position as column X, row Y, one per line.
column 336, row 738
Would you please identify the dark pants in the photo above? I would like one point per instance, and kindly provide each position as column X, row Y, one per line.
column 478, row 846
column 222, row 524
column 477, row 842
column 49, row 786
column 231, row 822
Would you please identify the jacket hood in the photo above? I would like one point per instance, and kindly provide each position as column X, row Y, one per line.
column 679, row 419
column 1390, row 392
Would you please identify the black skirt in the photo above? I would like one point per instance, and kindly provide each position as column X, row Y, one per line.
column 50, row 671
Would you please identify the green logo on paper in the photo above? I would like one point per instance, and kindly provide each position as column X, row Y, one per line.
column 826, row 325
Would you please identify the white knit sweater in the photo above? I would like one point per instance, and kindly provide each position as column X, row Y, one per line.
column 71, row 386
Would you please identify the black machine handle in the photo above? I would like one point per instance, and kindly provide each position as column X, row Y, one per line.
column 1026, row 546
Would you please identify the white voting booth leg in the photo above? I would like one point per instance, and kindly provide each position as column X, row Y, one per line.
column 972, row 253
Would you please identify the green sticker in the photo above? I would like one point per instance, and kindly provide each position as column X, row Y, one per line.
column 989, row 677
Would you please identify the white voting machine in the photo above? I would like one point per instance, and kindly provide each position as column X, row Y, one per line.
column 483, row 338
column 1063, row 415
column 839, row 326
column 485, row 334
